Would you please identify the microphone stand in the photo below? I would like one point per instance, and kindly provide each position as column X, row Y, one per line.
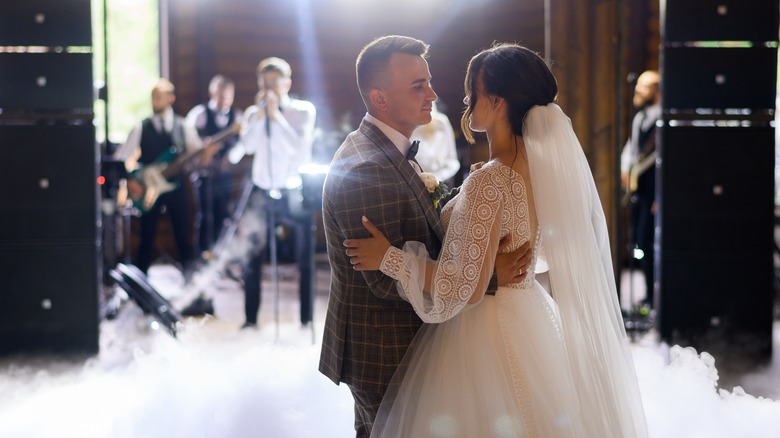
column 271, row 210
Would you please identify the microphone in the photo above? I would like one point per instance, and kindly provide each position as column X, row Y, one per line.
column 262, row 104
column 267, row 124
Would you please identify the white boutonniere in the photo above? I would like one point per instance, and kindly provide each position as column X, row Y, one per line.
column 436, row 188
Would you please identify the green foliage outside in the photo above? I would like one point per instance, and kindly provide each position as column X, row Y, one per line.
column 133, row 62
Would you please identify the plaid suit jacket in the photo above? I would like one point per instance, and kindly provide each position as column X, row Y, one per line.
column 368, row 326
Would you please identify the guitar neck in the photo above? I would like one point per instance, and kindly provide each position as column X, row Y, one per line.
column 175, row 166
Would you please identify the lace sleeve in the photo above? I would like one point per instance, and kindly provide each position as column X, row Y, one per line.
column 466, row 260
column 393, row 266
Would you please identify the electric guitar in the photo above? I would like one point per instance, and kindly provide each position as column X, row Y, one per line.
column 155, row 177
column 638, row 169
column 635, row 172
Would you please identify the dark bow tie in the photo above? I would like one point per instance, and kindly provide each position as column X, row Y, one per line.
column 410, row 154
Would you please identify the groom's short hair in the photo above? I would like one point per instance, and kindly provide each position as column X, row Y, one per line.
column 375, row 56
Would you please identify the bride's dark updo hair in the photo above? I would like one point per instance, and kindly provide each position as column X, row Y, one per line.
column 516, row 74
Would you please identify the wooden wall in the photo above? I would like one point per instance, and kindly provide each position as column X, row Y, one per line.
column 322, row 38
column 594, row 45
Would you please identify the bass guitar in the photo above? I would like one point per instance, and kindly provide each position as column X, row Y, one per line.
column 637, row 170
column 155, row 178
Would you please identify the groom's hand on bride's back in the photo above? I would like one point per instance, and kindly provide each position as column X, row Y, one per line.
column 367, row 254
column 512, row 267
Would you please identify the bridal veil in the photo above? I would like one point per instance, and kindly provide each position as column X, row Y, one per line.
column 576, row 243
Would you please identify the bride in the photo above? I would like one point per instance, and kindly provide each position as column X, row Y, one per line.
column 525, row 362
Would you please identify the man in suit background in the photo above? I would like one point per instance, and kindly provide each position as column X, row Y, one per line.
column 150, row 142
column 369, row 327
column 215, row 183
column 637, row 166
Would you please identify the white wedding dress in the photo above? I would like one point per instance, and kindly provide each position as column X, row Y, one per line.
column 515, row 364
column 498, row 368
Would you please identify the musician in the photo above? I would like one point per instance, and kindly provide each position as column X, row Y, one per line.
column 637, row 165
column 278, row 131
column 440, row 155
column 215, row 183
column 157, row 140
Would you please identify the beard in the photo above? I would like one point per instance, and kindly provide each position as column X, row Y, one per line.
column 641, row 101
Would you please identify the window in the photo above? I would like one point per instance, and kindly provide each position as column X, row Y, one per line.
column 133, row 40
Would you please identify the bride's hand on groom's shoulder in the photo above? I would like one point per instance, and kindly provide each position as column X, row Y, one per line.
column 367, row 254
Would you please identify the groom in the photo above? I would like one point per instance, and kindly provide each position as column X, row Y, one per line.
column 368, row 326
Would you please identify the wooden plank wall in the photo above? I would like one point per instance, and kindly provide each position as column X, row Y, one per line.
column 594, row 44
column 321, row 39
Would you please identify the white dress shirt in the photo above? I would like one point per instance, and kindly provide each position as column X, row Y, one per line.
column 197, row 115
column 290, row 137
column 399, row 140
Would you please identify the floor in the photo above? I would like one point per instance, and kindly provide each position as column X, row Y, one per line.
column 733, row 370
column 217, row 380
column 279, row 318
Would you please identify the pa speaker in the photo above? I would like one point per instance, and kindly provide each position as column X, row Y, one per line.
column 47, row 23
column 50, row 295
column 49, row 238
column 715, row 271
column 720, row 20
column 716, row 188
column 718, row 78
column 46, row 83
column 717, row 298
column 48, row 183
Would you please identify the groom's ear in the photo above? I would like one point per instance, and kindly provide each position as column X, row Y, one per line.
column 377, row 97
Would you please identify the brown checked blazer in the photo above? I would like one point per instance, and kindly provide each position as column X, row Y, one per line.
column 368, row 326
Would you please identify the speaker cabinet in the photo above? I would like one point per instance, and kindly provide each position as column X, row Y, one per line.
column 46, row 82
column 717, row 188
column 48, row 183
column 720, row 20
column 712, row 299
column 716, row 222
column 49, row 238
column 695, row 78
column 50, row 297
column 45, row 23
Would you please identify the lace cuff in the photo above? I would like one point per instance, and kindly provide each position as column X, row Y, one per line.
column 394, row 267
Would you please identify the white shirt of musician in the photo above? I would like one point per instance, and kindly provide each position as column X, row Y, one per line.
column 279, row 146
column 197, row 116
column 438, row 153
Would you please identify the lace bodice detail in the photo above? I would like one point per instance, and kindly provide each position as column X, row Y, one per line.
column 492, row 203
column 515, row 214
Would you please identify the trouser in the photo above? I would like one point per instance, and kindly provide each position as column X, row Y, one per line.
column 177, row 205
column 301, row 222
column 366, row 409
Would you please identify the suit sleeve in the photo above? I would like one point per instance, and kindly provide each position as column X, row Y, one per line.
column 370, row 190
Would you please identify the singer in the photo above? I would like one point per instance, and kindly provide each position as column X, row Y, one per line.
column 278, row 132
